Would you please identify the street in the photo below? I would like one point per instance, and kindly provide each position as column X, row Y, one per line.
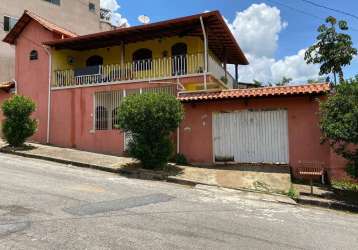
column 45, row 205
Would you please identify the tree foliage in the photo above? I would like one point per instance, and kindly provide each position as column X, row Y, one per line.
column 18, row 125
column 150, row 118
column 285, row 81
column 333, row 50
column 339, row 122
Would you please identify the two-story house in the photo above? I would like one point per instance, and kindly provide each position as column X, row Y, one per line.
column 79, row 81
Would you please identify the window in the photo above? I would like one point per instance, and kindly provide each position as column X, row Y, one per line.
column 92, row 7
column 9, row 22
column 94, row 61
column 57, row 2
column 179, row 64
column 142, row 59
column 101, row 118
column 34, row 55
column 115, row 119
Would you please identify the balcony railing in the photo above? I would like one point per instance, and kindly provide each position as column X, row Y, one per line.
column 159, row 68
column 219, row 72
column 136, row 70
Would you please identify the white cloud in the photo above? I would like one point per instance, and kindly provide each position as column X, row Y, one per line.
column 257, row 30
column 117, row 18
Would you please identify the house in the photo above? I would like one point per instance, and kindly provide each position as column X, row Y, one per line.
column 78, row 83
column 81, row 16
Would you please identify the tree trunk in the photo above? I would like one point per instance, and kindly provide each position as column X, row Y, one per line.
column 341, row 76
column 335, row 78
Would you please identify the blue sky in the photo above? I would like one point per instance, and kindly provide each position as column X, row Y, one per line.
column 294, row 30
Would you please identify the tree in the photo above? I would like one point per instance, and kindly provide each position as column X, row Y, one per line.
column 284, row 81
column 18, row 125
column 339, row 122
column 333, row 50
column 150, row 118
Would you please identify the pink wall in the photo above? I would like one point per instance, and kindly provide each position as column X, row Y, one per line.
column 304, row 132
column 32, row 76
column 72, row 119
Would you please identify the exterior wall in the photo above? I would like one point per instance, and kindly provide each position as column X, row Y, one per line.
column 73, row 15
column 112, row 55
column 72, row 114
column 304, row 133
column 32, row 76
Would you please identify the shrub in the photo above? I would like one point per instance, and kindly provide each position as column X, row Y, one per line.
column 345, row 185
column 150, row 118
column 18, row 126
column 293, row 193
column 339, row 123
column 181, row 159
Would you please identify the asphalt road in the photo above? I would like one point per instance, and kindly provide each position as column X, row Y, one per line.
column 45, row 205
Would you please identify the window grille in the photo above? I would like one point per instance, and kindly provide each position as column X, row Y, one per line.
column 106, row 104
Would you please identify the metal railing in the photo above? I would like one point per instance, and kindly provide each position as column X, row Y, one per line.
column 137, row 70
column 219, row 72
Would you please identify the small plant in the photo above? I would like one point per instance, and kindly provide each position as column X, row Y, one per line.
column 18, row 125
column 347, row 185
column 150, row 118
column 180, row 159
column 293, row 193
column 224, row 79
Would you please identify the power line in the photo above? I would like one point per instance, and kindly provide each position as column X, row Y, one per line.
column 304, row 12
column 329, row 8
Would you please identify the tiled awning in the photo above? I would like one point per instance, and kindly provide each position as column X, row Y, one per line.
column 303, row 89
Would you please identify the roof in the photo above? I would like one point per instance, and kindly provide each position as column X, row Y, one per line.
column 7, row 85
column 220, row 39
column 25, row 19
column 255, row 92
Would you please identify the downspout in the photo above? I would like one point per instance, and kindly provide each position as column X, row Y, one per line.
column 47, row 49
column 205, row 51
column 15, row 82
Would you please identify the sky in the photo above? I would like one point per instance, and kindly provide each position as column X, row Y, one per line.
column 273, row 34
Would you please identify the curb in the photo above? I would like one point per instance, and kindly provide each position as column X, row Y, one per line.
column 340, row 206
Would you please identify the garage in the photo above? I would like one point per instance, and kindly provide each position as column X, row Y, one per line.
column 251, row 136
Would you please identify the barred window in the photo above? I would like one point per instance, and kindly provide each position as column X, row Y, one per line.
column 101, row 118
column 106, row 104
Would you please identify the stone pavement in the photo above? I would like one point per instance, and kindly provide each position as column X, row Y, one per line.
column 264, row 178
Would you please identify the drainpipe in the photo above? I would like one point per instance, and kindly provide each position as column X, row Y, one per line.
column 47, row 49
column 15, row 82
column 205, row 51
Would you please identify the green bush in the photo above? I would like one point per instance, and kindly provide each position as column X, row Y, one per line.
column 339, row 122
column 150, row 118
column 293, row 193
column 345, row 185
column 18, row 126
column 181, row 159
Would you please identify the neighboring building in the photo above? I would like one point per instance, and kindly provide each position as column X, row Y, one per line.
column 79, row 16
column 79, row 82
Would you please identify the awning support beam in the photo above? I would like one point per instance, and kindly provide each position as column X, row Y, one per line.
column 205, row 51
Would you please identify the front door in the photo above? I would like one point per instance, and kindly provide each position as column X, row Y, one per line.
column 179, row 63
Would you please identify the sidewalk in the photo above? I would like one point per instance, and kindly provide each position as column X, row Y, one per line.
column 242, row 178
column 322, row 197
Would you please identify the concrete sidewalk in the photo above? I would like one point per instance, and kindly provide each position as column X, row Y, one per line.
column 263, row 179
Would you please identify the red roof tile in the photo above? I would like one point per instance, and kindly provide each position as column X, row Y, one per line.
column 255, row 92
column 26, row 18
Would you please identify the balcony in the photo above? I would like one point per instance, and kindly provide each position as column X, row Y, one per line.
column 141, row 70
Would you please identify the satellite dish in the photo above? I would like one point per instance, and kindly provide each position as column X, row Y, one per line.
column 144, row 19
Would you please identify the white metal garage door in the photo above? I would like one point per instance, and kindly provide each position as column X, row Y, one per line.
column 251, row 136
